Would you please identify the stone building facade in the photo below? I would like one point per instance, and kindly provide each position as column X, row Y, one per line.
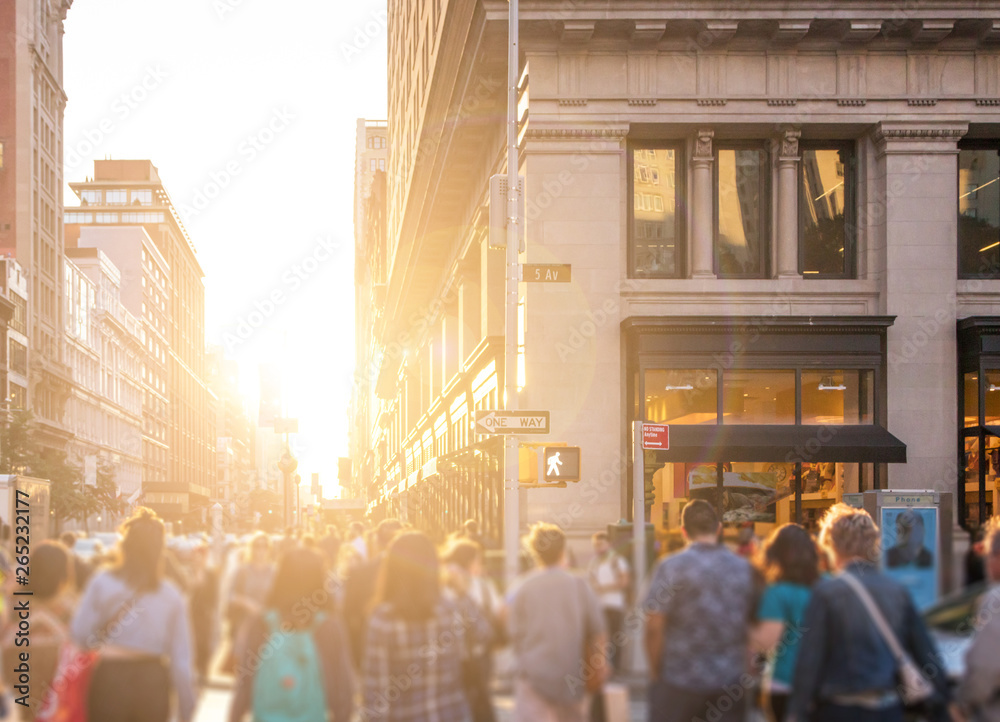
column 783, row 229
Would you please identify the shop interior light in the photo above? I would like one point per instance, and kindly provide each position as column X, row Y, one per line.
column 685, row 387
column 993, row 388
column 826, row 384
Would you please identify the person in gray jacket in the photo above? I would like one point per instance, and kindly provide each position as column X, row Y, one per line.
column 979, row 691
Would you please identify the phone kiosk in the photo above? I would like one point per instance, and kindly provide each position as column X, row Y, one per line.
column 916, row 529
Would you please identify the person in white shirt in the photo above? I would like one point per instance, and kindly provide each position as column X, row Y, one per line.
column 610, row 578
column 357, row 539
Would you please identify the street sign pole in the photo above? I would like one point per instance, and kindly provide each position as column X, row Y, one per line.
column 511, row 506
column 638, row 508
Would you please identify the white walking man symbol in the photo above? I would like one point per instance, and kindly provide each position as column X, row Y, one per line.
column 554, row 464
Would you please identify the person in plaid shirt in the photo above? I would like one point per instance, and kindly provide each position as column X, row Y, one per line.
column 417, row 640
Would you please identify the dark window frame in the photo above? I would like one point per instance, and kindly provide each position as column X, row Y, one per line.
column 680, row 207
column 849, row 148
column 766, row 190
column 973, row 144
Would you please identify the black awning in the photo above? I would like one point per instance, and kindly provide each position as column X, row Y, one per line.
column 785, row 443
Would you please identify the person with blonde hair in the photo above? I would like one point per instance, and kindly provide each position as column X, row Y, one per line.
column 846, row 668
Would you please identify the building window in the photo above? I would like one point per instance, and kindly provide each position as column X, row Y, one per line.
column 142, row 198
column 18, row 358
column 19, row 319
column 826, row 211
column 107, row 217
column 979, row 211
column 78, row 218
column 18, row 397
column 116, row 198
column 655, row 228
column 91, row 197
column 742, row 210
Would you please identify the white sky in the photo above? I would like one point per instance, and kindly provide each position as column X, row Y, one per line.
column 295, row 74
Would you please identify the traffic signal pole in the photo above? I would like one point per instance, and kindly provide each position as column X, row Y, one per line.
column 511, row 506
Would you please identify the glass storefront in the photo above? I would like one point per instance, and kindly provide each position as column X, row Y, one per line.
column 979, row 410
column 772, row 423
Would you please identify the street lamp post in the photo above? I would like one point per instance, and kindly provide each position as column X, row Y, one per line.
column 511, row 510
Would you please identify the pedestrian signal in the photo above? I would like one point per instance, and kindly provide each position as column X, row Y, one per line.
column 562, row 463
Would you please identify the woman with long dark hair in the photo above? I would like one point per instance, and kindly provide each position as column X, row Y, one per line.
column 139, row 621
column 418, row 640
column 789, row 562
column 292, row 659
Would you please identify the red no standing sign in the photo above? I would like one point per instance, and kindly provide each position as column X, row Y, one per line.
column 655, row 436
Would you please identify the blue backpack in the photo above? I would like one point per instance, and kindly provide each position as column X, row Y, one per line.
column 288, row 686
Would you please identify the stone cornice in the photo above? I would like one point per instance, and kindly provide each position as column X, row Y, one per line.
column 576, row 133
column 919, row 130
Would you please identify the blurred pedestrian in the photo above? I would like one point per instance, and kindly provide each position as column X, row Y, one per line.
column 418, row 640
column 356, row 538
column 51, row 608
column 360, row 587
column 81, row 569
column 204, row 596
column 558, row 635
column 292, row 662
column 463, row 564
column 610, row 578
column 470, row 531
column 979, row 691
column 789, row 562
column 140, row 623
column 846, row 668
column 700, row 604
column 250, row 586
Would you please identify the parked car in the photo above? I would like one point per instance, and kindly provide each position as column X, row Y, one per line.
column 951, row 623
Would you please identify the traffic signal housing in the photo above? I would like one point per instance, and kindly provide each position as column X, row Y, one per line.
column 561, row 463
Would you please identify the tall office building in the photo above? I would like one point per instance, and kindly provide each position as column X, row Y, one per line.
column 126, row 193
column 31, row 180
column 371, row 154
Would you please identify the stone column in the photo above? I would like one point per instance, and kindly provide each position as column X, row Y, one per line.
column 702, row 208
column 787, row 235
column 914, row 218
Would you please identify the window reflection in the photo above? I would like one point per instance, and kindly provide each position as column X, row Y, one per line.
column 758, row 397
column 823, row 239
column 655, row 224
column 742, row 207
column 837, row 397
column 979, row 213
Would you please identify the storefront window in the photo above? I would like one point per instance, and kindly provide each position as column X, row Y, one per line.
column 682, row 396
column 758, row 397
column 991, row 412
column 971, row 463
column 971, row 393
column 838, row 397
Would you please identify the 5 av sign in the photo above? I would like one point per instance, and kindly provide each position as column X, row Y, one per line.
column 546, row 273
column 512, row 422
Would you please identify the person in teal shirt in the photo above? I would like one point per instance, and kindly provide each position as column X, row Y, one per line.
column 789, row 561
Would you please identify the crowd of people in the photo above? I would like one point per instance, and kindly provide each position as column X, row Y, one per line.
column 385, row 624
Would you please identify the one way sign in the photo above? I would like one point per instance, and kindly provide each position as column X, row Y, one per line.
column 512, row 422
